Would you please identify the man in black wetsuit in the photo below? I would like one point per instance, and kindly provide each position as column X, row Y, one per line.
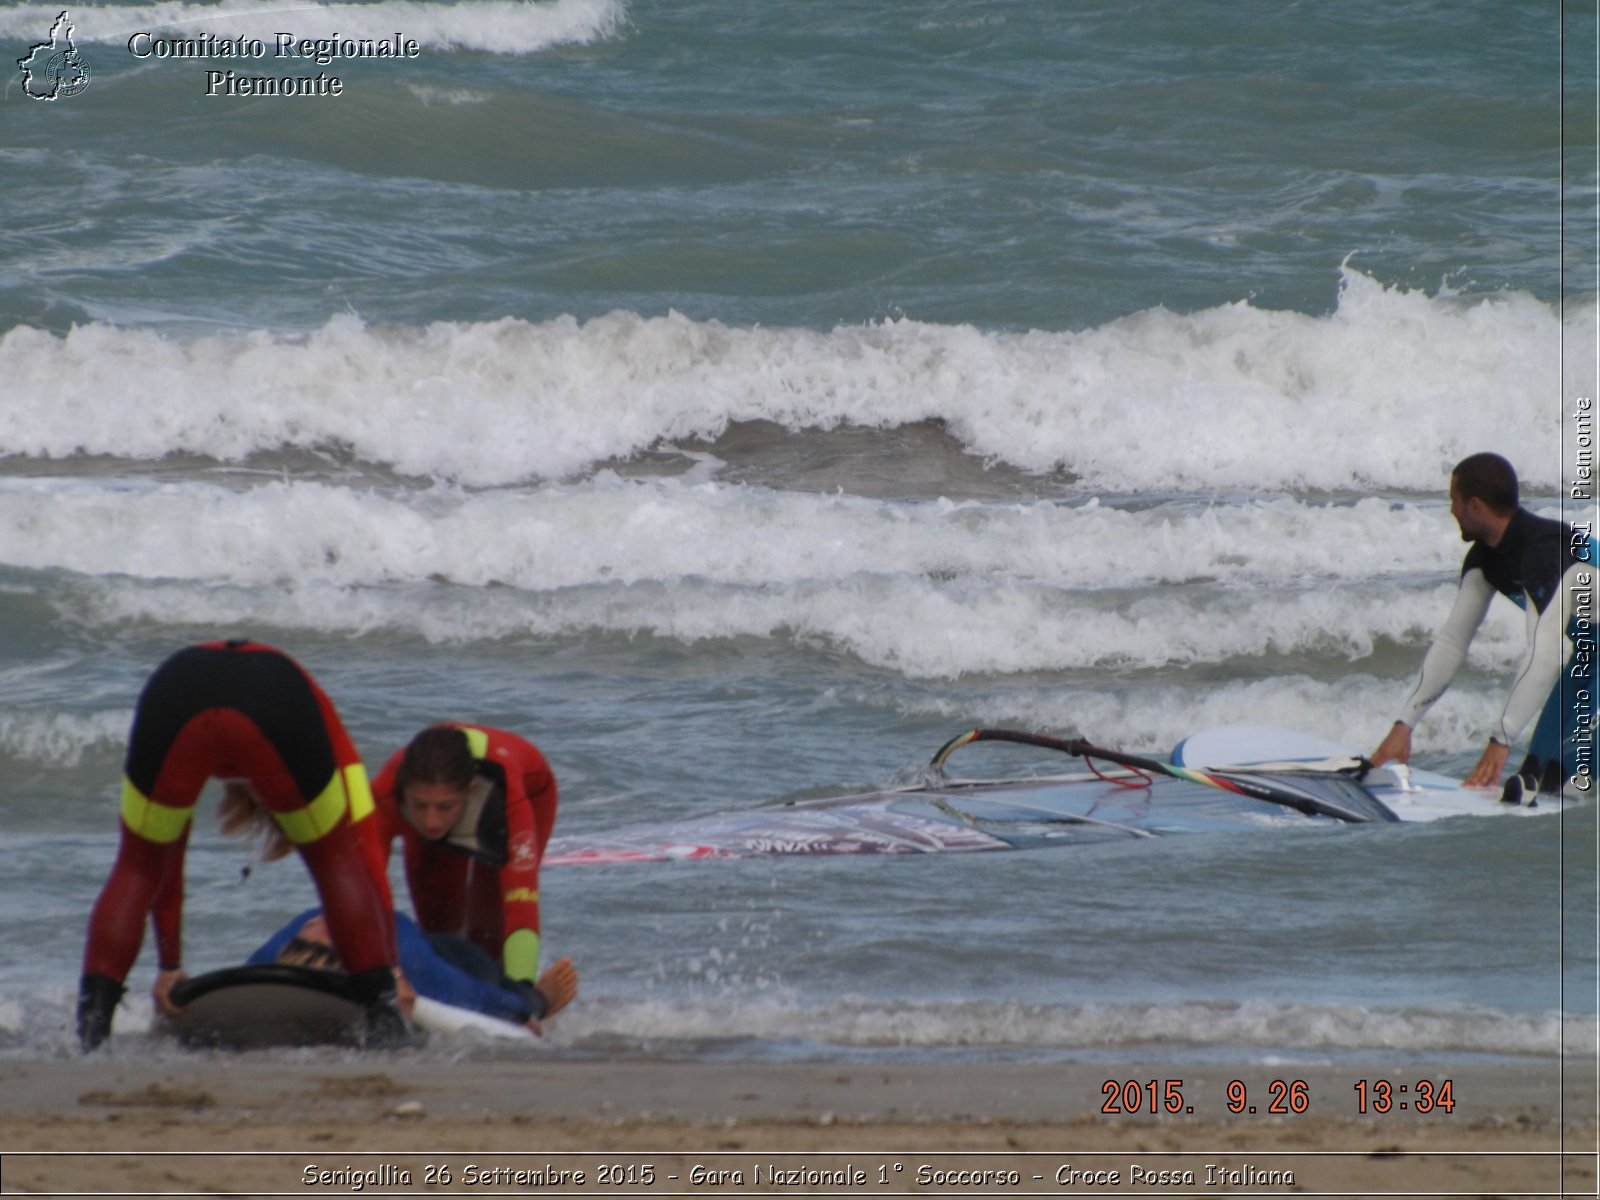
column 1547, row 568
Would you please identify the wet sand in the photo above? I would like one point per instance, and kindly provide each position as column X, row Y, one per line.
column 396, row 1125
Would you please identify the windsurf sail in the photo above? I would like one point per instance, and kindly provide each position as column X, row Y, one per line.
column 1331, row 795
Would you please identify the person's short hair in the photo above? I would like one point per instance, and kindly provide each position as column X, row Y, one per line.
column 1489, row 478
column 303, row 952
column 439, row 754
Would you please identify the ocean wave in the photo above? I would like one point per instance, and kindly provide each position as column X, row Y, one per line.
column 57, row 739
column 1152, row 717
column 934, row 589
column 616, row 531
column 1386, row 392
column 916, row 629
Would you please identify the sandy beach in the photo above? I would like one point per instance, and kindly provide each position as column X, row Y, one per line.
column 392, row 1126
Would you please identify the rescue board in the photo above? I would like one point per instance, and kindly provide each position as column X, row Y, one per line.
column 275, row 1004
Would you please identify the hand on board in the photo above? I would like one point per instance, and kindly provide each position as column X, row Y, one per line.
column 1490, row 767
column 405, row 995
column 161, row 992
column 1396, row 746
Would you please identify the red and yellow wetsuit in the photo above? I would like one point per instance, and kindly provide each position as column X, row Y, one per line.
column 481, row 881
column 240, row 710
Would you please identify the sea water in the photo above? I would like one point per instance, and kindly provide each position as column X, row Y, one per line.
column 741, row 399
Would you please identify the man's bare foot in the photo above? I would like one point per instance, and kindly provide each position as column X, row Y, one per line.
column 559, row 983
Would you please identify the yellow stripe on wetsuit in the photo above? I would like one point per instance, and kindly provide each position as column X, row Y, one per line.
column 159, row 823
column 519, row 955
column 347, row 791
column 477, row 742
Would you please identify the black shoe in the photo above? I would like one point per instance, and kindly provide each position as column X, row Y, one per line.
column 1521, row 789
column 98, row 997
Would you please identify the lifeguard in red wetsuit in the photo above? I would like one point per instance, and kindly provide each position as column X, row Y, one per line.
column 475, row 807
column 243, row 712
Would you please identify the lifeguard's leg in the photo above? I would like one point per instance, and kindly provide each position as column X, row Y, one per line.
column 1542, row 765
column 362, row 931
column 355, row 904
column 146, row 878
column 519, row 923
column 116, row 923
column 116, row 931
column 358, row 922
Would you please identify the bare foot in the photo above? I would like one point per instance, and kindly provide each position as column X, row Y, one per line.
column 559, row 983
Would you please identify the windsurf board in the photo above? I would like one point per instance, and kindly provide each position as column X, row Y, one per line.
column 1411, row 793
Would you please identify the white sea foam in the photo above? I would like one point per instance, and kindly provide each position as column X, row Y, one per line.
column 489, row 26
column 60, row 739
column 1388, row 391
column 932, row 589
column 1354, row 711
column 867, row 1026
column 1307, row 1027
column 614, row 531
column 916, row 629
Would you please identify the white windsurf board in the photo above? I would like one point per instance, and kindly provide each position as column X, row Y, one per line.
column 1413, row 794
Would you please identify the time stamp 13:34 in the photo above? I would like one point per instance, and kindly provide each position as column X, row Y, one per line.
column 1282, row 1097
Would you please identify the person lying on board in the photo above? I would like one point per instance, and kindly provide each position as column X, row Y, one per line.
column 449, row 970
column 247, row 714
column 1546, row 568
column 474, row 807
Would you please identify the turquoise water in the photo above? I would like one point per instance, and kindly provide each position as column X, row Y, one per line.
column 739, row 400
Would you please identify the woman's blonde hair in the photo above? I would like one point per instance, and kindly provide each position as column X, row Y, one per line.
column 242, row 816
